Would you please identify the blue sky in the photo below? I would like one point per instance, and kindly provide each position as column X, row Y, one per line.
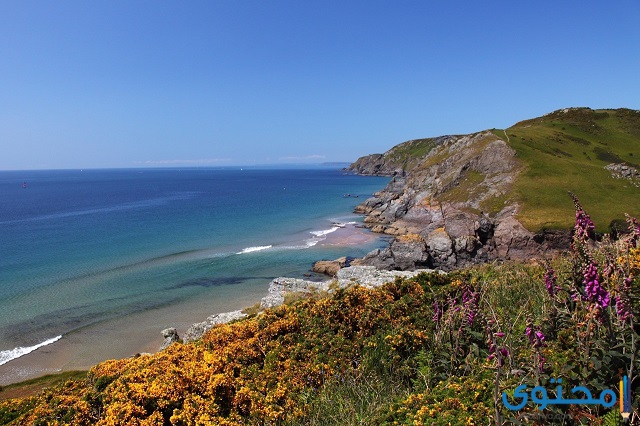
column 215, row 83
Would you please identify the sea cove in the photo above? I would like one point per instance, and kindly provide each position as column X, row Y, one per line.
column 108, row 258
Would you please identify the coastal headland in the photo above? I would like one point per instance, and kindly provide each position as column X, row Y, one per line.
column 453, row 201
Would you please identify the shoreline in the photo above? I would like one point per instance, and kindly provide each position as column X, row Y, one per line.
column 141, row 331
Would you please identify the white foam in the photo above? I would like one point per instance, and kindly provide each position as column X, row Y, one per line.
column 325, row 232
column 6, row 356
column 252, row 249
column 322, row 235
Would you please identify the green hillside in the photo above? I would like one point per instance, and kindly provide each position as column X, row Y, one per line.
column 567, row 150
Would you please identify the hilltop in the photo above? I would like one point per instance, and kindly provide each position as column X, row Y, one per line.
column 502, row 193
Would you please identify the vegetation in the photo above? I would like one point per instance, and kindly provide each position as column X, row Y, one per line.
column 34, row 386
column 409, row 154
column 567, row 151
column 438, row 349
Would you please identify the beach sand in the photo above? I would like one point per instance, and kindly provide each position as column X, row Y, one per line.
column 349, row 235
column 126, row 336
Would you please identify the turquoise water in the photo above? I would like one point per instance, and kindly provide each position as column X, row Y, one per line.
column 82, row 247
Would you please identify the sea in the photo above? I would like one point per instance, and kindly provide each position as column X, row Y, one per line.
column 82, row 249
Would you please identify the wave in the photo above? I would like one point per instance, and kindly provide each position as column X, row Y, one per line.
column 325, row 232
column 252, row 249
column 319, row 236
column 6, row 356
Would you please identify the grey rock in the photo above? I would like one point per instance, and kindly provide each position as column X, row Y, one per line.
column 513, row 241
column 370, row 276
column 380, row 259
column 196, row 331
column 623, row 171
column 282, row 285
column 409, row 253
column 170, row 336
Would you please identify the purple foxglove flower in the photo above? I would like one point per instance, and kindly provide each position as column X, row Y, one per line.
column 550, row 280
column 584, row 227
column 437, row 312
column 593, row 289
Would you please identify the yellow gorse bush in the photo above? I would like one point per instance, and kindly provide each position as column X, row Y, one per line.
column 254, row 371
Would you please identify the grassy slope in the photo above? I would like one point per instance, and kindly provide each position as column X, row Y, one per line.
column 408, row 154
column 563, row 151
column 567, row 151
column 37, row 385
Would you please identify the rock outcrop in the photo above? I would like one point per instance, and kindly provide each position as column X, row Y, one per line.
column 370, row 276
column 170, row 336
column 197, row 330
column 624, row 171
column 282, row 285
column 365, row 275
column 329, row 267
column 452, row 208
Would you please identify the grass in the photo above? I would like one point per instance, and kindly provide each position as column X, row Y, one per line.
column 35, row 386
column 355, row 398
column 567, row 151
column 468, row 187
column 408, row 154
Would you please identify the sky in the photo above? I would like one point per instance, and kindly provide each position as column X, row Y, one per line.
column 216, row 83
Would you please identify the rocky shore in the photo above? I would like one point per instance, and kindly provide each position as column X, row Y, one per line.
column 367, row 276
column 450, row 207
column 446, row 207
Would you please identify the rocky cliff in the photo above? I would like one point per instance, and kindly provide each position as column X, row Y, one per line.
column 502, row 194
column 449, row 209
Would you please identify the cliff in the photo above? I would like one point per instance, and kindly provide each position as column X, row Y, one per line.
column 500, row 194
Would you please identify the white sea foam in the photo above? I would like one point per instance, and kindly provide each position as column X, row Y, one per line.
column 322, row 235
column 252, row 249
column 325, row 231
column 6, row 356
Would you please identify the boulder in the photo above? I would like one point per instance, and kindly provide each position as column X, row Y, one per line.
column 329, row 267
column 196, row 331
column 170, row 336
column 513, row 241
column 280, row 286
column 409, row 252
column 440, row 248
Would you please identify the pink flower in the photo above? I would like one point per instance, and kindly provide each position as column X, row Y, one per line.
column 592, row 287
column 584, row 228
column 550, row 280
column 623, row 304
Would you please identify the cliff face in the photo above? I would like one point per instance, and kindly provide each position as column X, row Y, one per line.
column 449, row 207
column 399, row 159
column 503, row 194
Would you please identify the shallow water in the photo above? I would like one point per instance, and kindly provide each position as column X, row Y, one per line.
column 84, row 251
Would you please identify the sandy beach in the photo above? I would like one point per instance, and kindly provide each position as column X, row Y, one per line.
column 141, row 332
column 349, row 235
column 123, row 337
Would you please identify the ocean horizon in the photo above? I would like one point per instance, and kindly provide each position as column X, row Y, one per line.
column 84, row 249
